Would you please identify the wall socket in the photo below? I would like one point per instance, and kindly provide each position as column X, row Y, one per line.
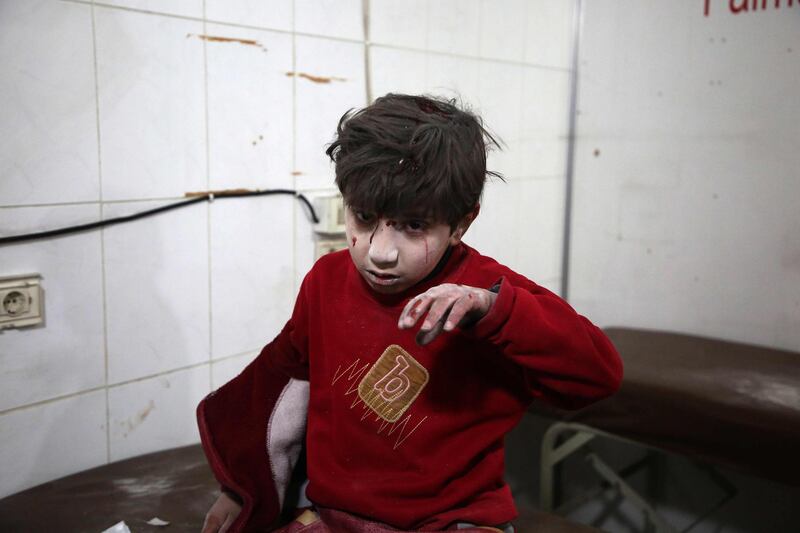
column 330, row 209
column 21, row 301
column 330, row 230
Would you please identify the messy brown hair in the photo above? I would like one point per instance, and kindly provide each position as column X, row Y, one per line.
column 407, row 154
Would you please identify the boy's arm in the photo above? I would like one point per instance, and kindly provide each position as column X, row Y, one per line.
column 569, row 362
column 252, row 427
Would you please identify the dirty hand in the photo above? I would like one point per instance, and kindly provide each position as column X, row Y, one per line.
column 447, row 306
column 221, row 515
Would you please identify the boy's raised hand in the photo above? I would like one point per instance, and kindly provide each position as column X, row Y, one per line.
column 221, row 515
column 445, row 307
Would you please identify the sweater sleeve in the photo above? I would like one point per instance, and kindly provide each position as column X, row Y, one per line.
column 568, row 361
column 252, row 428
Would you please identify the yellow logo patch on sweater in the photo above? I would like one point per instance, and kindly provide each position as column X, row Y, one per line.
column 393, row 383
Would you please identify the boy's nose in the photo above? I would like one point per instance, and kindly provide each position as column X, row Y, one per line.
column 382, row 249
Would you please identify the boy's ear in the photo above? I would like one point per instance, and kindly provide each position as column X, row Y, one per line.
column 463, row 225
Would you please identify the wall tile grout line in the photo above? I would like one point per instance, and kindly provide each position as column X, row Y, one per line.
column 219, row 22
column 454, row 55
column 113, row 385
column 109, row 202
column 103, row 275
column 520, row 127
column 208, row 208
column 103, row 202
column 294, row 153
column 365, row 6
column 160, row 198
column 481, row 6
column 54, row 399
column 237, row 354
column 330, row 37
column 110, row 386
column 426, row 56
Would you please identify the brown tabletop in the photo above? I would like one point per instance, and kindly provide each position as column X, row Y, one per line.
column 173, row 485
column 722, row 402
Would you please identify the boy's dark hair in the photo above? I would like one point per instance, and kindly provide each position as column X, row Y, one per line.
column 418, row 155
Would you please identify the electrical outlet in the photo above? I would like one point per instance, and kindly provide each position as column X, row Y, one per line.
column 330, row 210
column 21, row 301
column 328, row 246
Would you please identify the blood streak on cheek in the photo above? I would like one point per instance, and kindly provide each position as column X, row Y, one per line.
column 354, row 241
column 426, row 250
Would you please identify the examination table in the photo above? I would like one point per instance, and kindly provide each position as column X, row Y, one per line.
column 174, row 485
column 717, row 402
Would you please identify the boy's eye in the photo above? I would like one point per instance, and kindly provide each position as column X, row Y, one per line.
column 364, row 217
column 416, row 225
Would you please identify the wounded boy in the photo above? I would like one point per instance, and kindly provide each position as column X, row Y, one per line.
column 405, row 424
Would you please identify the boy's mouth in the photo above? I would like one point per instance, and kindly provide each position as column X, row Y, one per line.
column 382, row 279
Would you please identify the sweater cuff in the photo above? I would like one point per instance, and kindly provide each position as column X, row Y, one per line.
column 231, row 494
column 493, row 321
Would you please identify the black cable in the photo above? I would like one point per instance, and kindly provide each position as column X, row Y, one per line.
column 128, row 218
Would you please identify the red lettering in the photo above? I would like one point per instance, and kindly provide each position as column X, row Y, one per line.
column 738, row 6
column 741, row 7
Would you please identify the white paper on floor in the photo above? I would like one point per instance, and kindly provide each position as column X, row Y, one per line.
column 119, row 527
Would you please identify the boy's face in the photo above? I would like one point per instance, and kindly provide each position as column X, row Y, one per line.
column 393, row 254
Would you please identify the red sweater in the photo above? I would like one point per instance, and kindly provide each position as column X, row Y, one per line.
column 416, row 440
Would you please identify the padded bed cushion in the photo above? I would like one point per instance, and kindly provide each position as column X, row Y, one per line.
column 174, row 485
column 722, row 402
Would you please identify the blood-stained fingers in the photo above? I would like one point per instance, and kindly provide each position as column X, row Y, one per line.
column 435, row 306
column 439, row 309
column 444, row 308
column 426, row 336
column 418, row 306
column 458, row 315
column 414, row 309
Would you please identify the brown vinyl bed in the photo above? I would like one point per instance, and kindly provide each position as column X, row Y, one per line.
column 722, row 403
column 173, row 485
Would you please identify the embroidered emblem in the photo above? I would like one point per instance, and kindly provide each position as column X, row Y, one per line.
column 393, row 383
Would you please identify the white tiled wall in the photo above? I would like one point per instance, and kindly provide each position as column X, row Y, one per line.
column 65, row 356
column 49, row 148
column 45, row 442
column 128, row 104
column 530, row 240
column 150, row 84
column 273, row 15
column 156, row 413
column 186, row 8
column 331, row 18
column 156, row 281
column 224, row 370
column 686, row 212
column 252, row 274
column 385, row 29
column 339, row 67
column 249, row 108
